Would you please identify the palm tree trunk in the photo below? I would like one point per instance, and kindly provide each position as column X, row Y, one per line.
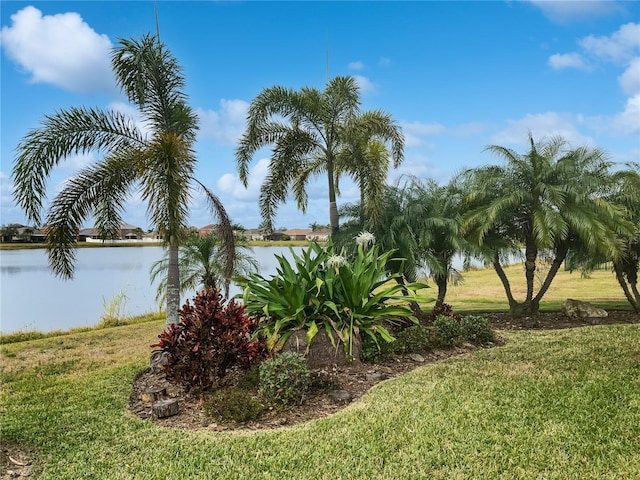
column 515, row 308
column 561, row 254
column 173, row 284
column 635, row 302
column 441, row 282
column 333, row 206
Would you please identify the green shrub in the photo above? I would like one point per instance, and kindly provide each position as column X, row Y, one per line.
column 233, row 404
column 210, row 338
column 448, row 331
column 284, row 379
column 324, row 290
column 476, row 329
column 251, row 378
column 412, row 339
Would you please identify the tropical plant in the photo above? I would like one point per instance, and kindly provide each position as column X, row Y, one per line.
column 545, row 200
column 422, row 221
column 210, row 337
column 201, row 264
column 154, row 157
column 309, row 129
column 625, row 191
column 324, row 290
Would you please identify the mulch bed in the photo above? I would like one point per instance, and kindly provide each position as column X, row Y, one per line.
column 356, row 379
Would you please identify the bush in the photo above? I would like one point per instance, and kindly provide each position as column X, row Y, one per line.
column 285, row 379
column 412, row 339
column 233, row 404
column 476, row 329
column 443, row 310
column 448, row 331
column 320, row 289
column 210, row 338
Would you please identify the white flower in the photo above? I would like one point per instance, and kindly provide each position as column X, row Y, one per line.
column 365, row 239
column 336, row 261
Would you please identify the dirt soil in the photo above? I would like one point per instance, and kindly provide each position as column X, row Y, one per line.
column 356, row 379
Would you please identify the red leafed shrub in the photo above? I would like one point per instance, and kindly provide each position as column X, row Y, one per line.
column 210, row 338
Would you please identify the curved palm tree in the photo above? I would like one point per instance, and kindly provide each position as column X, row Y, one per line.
column 159, row 165
column 436, row 212
column 308, row 129
column 545, row 200
column 201, row 265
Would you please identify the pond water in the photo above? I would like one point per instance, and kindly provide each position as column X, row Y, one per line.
column 32, row 298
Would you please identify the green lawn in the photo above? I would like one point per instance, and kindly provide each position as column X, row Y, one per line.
column 559, row 404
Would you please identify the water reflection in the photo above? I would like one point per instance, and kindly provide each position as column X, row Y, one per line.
column 31, row 297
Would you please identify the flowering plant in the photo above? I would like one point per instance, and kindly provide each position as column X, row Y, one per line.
column 322, row 290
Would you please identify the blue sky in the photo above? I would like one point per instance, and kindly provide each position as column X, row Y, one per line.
column 456, row 76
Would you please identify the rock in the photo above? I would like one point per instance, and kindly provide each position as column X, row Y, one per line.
column 375, row 376
column 153, row 394
column 165, row 408
column 322, row 353
column 469, row 346
column 416, row 357
column 158, row 359
column 340, row 396
column 579, row 309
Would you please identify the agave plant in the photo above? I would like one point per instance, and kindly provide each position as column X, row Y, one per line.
column 323, row 290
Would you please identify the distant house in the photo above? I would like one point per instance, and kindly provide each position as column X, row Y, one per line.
column 298, row 233
column 204, row 231
column 321, row 235
column 275, row 236
column 253, row 234
column 126, row 232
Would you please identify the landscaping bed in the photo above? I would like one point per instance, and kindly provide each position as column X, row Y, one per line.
column 356, row 379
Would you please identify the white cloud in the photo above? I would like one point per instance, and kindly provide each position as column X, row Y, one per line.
column 356, row 65
column 365, row 85
column 226, row 125
column 414, row 132
column 134, row 114
column 544, row 125
column 567, row 60
column 629, row 120
column 59, row 49
column 230, row 184
column 630, row 80
column 620, row 47
column 571, row 11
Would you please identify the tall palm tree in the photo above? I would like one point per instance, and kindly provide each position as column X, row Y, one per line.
column 201, row 264
column 545, row 200
column 159, row 165
column 308, row 129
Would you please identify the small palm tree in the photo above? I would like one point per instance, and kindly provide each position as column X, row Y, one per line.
column 159, row 164
column 545, row 200
column 308, row 130
column 201, row 265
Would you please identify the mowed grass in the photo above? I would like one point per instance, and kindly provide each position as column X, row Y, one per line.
column 481, row 290
column 559, row 404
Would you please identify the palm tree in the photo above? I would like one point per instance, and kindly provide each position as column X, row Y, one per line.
column 159, row 165
column 625, row 191
column 436, row 212
column 308, row 130
column 545, row 200
column 201, row 265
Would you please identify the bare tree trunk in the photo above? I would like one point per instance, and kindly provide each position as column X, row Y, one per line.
column 635, row 302
column 173, row 284
column 561, row 254
column 515, row 308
